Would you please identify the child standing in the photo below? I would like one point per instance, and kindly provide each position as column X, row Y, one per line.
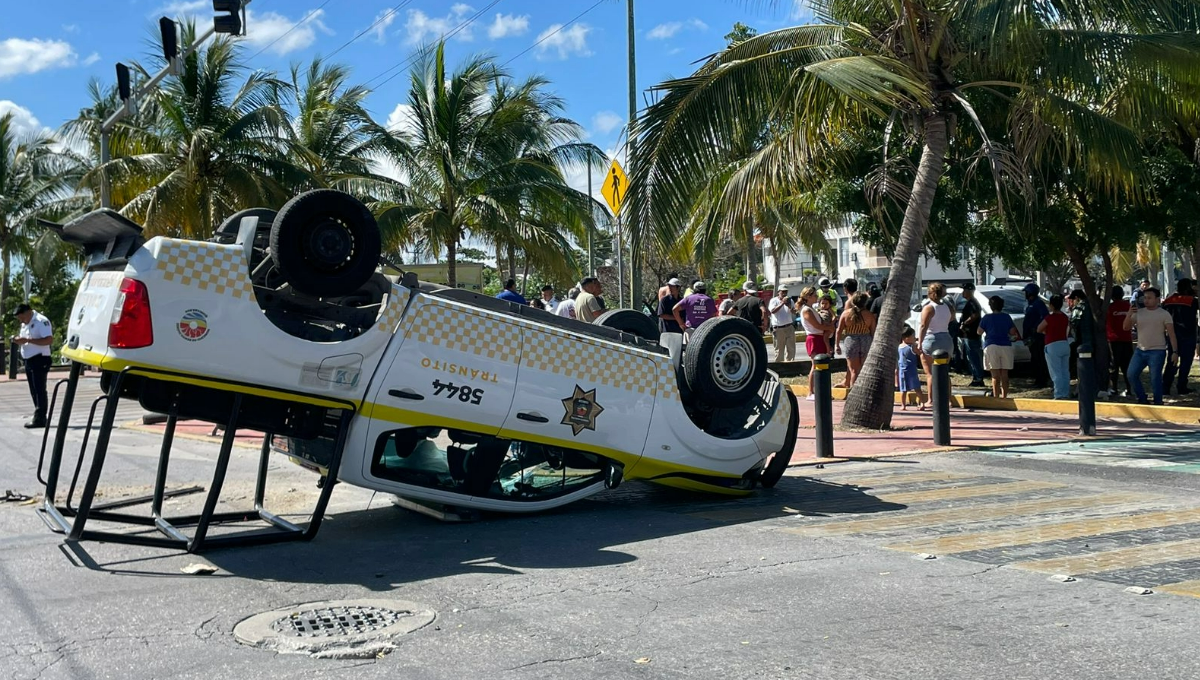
column 909, row 374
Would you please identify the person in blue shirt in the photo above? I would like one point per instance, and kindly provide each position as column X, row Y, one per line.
column 998, row 331
column 1035, row 312
column 510, row 293
column 908, row 373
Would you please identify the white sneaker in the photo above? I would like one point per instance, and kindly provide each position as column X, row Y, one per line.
column 811, row 397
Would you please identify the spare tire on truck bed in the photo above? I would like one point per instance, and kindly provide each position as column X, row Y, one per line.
column 629, row 321
column 725, row 361
column 325, row 243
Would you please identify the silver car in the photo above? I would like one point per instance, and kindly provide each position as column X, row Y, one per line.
column 1014, row 306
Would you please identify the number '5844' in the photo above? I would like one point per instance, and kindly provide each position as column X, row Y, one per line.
column 464, row 393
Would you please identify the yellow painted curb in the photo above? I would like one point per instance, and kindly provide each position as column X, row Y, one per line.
column 1178, row 415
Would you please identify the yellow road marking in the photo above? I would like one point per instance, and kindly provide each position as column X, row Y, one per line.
column 959, row 492
column 892, row 521
column 1191, row 588
column 1049, row 532
column 1123, row 558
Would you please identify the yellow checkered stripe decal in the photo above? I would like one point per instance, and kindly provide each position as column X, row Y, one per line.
column 588, row 363
column 211, row 267
column 467, row 331
column 668, row 386
column 390, row 315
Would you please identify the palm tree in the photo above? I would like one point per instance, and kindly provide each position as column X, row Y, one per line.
column 334, row 141
column 915, row 67
column 36, row 180
column 211, row 146
column 479, row 164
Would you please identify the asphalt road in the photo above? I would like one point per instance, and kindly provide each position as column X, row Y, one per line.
column 824, row 577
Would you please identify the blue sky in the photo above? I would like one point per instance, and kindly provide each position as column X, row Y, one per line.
column 49, row 50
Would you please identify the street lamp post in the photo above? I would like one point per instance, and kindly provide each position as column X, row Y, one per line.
column 635, row 240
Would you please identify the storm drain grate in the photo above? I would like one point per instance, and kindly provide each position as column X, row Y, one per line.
column 337, row 621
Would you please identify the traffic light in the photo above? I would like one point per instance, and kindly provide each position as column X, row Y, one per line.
column 123, row 81
column 170, row 38
column 230, row 23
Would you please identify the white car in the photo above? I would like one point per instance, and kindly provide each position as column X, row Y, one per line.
column 282, row 323
column 1014, row 306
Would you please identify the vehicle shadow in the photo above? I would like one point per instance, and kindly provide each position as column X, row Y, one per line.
column 385, row 546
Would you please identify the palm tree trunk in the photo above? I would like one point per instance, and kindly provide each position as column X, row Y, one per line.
column 525, row 278
column 451, row 262
column 512, row 261
column 751, row 261
column 5, row 287
column 870, row 403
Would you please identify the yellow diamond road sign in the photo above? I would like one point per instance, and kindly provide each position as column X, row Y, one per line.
column 615, row 183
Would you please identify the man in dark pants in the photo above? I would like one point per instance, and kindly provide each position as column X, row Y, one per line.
column 35, row 339
column 1035, row 313
column 970, row 342
column 1183, row 308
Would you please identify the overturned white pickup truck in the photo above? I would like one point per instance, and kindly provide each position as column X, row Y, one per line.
column 284, row 323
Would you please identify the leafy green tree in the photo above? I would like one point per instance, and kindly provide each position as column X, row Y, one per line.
column 915, row 71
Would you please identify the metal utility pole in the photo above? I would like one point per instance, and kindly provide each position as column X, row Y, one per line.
column 130, row 104
column 635, row 241
column 591, row 268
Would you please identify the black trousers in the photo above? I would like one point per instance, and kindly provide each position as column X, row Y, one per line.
column 37, row 369
column 1121, row 353
column 1187, row 353
column 1037, row 359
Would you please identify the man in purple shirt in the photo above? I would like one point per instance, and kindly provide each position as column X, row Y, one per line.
column 694, row 310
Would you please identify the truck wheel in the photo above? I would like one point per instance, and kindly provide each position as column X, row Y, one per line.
column 773, row 471
column 325, row 243
column 631, row 322
column 725, row 361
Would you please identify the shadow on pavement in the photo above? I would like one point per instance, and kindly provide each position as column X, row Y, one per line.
column 383, row 547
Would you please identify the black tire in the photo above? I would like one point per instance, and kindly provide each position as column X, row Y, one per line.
column 725, row 361
column 631, row 322
column 325, row 243
column 774, row 469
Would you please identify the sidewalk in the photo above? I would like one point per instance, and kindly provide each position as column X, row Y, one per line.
column 913, row 431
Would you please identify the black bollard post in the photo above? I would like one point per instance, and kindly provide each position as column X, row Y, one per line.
column 14, row 351
column 1086, row 371
column 941, row 398
column 823, row 398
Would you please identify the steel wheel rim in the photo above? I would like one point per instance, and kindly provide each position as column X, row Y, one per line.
column 733, row 364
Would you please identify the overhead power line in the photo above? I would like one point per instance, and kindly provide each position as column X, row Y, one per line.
column 296, row 25
column 379, row 19
column 411, row 59
column 551, row 34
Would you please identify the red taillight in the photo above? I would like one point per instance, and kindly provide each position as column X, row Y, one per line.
column 131, row 327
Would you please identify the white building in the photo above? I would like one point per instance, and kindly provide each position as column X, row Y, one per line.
column 853, row 259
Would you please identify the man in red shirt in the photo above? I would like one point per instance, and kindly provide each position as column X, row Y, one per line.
column 1120, row 341
column 1183, row 307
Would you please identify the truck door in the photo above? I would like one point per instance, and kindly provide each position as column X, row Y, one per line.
column 455, row 367
column 583, row 394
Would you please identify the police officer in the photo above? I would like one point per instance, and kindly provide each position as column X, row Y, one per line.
column 35, row 339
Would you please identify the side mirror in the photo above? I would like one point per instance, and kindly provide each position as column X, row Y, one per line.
column 613, row 475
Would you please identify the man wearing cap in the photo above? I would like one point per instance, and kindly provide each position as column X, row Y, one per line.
column 751, row 308
column 783, row 328
column 588, row 305
column 666, row 307
column 970, row 342
column 827, row 291
column 1035, row 312
column 34, row 339
column 694, row 310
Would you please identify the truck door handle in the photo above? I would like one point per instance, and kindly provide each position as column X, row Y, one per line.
column 405, row 394
column 532, row 417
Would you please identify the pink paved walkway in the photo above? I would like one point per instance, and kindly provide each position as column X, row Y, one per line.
column 914, row 431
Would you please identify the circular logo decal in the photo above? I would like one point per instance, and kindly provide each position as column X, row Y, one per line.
column 194, row 325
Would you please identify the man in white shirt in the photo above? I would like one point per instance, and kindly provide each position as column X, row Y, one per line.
column 550, row 304
column 783, row 328
column 34, row 340
column 566, row 308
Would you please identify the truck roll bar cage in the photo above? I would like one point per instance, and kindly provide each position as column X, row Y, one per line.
column 73, row 520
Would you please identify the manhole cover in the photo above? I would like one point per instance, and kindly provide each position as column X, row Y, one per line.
column 331, row 621
column 334, row 629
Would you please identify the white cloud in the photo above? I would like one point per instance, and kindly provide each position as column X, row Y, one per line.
column 23, row 121
column 508, row 25
column 422, row 28
column 563, row 43
column 70, row 28
column 91, row 59
column 19, row 56
column 382, row 21
column 605, row 122
column 671, row 28
column 264, row 29
column 401, row 119
column 180, row 8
